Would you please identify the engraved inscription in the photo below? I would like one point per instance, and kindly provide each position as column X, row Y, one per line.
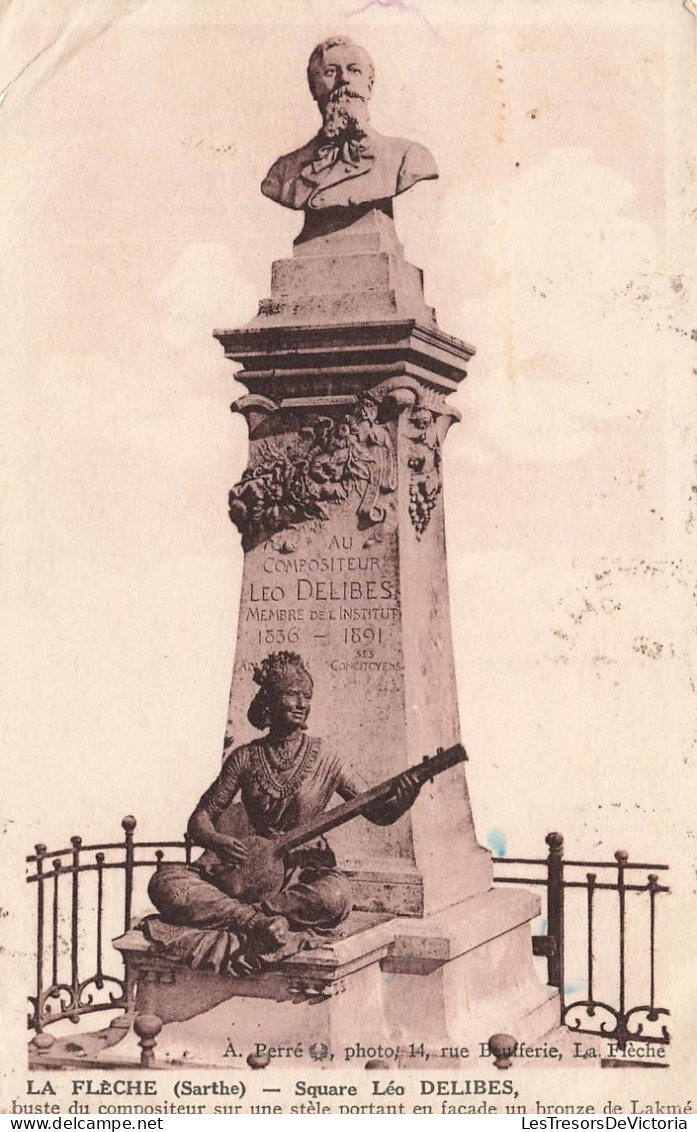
column 328, row 594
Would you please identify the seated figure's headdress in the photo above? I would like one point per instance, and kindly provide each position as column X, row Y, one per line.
column 275, row 673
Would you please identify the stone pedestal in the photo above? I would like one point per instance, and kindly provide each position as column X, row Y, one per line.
column 341, row 515
column 444, row 980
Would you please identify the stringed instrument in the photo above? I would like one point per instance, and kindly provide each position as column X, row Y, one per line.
column 263, row 872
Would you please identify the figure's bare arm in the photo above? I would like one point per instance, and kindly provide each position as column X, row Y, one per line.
column 216, row 799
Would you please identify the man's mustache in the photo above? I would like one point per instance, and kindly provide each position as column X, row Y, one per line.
column 342, row 92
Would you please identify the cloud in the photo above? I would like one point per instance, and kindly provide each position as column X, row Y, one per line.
column 204, row 287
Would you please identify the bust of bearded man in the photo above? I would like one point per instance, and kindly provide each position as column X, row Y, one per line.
column 347, row 166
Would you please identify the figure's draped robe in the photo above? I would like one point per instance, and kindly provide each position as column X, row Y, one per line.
column 201, row 925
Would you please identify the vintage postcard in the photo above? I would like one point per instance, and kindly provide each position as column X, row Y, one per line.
column 350, row 735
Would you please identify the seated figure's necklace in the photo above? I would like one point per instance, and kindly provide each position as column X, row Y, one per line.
column 281, row 756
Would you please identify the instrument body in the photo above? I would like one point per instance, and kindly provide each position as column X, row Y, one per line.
column 263, row 873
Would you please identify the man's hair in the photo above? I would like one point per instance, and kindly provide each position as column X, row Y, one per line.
column 317, row 58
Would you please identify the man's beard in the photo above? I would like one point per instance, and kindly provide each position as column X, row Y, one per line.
column 345, row 113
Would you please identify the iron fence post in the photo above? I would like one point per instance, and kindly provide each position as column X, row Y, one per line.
column 128, row 825
column 99, row 977
column 652, row 887
column 622, row 1031
column 591, row 879
column 40, row 854
column 555, row 912
column 57, row 869
column 76, row 843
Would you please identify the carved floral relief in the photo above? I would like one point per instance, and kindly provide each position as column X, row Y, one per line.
column 327, row 461
column 424, row 462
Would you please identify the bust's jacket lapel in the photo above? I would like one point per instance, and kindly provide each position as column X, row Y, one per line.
column 318, row 180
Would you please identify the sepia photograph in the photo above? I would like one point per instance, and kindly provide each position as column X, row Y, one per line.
column 348, row 562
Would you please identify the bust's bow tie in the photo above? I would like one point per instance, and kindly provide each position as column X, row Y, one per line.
column 350, row 150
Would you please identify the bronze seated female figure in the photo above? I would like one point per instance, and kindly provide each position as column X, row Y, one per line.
column 285, row 779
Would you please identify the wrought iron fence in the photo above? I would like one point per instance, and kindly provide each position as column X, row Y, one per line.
column 76, row 909
column 591, row 1014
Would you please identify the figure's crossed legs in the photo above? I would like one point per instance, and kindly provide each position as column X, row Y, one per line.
column 311, row 898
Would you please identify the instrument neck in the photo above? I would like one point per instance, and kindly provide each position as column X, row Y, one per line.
column 348, row 810
column 334, row 817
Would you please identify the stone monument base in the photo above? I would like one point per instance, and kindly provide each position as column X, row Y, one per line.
column 448, row 979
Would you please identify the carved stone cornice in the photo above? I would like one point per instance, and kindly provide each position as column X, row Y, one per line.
column 283, row 361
